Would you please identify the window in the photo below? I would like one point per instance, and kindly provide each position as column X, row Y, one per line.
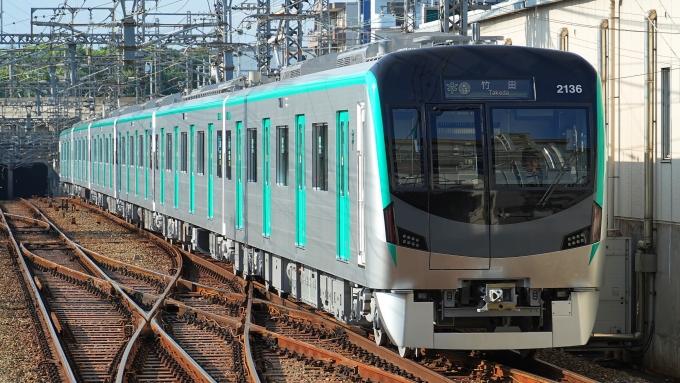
column 536, row 147
column 183, row 152
column 122, row 151
column 282, row 155
column 100, row 150
column 156, row 152
column 200, row 153
column 407, row 149
column 320, row 157
column 132, row 151
column 168, row 151
column 228, row 169
column 456, row 139
column 666, row 113
column 252, row 155
column 94, row 150
column 219, row 154
column 106, row 150
column 140, row 149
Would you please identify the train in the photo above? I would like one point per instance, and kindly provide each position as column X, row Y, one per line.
column 440, row 195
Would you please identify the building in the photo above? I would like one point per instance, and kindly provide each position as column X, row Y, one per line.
column 622, row 39
column 345, row 29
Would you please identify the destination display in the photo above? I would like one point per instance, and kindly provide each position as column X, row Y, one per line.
column 489, row 89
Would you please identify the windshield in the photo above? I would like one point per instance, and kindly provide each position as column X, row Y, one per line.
column 408, row 151
column 541, row 147
column 456, row 139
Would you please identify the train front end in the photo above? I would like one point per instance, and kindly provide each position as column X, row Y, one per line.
column 493, row 198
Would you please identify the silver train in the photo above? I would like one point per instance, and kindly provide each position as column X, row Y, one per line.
column 446, row 197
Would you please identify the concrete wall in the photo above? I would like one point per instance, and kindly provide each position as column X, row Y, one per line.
column 540, row 27
column 664, row 352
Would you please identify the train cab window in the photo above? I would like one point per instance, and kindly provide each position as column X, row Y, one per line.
column 320, row 157
column 183, row 152
column 539, row 147
column 168, row 151
column 219, row 154
column 228, row 169
column 456, row 140
column 407, row 149
column 252, row 155
column 282, row 155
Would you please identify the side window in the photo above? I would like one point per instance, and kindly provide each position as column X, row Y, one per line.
column 106, row 151
column 122, row 151
column 407, row 152
column 252, row 155
column 140, row 149
column 168, row 151
column 320, row 157
column 282, row 155
column 94, row 150
column 156, row 152
column 200, row 153
column 183, row 152
column 219, row 154
column 132, row 151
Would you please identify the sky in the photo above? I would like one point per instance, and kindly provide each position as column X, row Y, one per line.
column 17, row 13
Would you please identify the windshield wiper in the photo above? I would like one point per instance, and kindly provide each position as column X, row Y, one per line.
column 553, row 185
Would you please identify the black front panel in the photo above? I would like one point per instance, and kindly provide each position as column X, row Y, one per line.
column 457, row 196
column 490, row 143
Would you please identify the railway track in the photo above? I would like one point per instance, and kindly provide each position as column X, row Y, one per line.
column 198, row 327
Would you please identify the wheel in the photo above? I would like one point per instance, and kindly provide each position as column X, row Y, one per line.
column 527, row 353
column 380, row 336
column 405, row 352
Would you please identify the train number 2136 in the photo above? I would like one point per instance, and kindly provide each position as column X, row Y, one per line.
column 569, row 89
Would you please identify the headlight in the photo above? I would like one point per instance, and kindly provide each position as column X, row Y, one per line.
column 596, row 223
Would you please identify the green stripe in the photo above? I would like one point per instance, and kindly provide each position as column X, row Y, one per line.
column 147, row 140
column 162, row 167
column 300, row 184
column 210, row 171
column 239, row 176
column 192, row 171
column 130, row 118
column 376, row 114
column 176, row 166
column 262, row 95
column 266, row 185
column 342, row 212
column 600, row 183
column 127, row 161
column 137, row 165
column 593, row 250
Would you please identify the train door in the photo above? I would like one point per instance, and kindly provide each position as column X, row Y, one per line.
column 458, row 200
column 342, row 187
column 300, row 188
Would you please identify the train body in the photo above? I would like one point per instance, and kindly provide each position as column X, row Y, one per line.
column 447, row 197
